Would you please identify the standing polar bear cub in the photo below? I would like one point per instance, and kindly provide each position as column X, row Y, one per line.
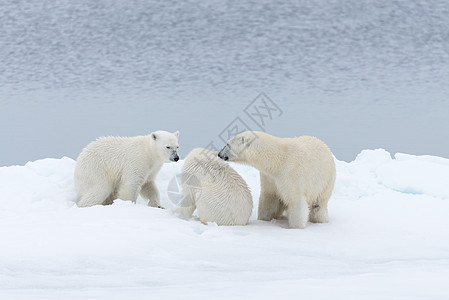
column 122, row 167
column 218, row 192
column 297, row 175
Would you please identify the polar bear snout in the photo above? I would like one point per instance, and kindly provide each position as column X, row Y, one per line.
column 223, row 153
column 174, row 156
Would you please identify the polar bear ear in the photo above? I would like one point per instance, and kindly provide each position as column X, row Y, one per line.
column 153, row 135
column 243, row 140
column 176, row 133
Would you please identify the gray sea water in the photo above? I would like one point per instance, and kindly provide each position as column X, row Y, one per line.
column 356, row 74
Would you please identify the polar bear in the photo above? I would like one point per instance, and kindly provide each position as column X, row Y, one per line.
column 297, row 175
column 218, row 192
column 122, row 167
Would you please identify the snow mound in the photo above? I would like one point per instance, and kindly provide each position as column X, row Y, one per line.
column 425, row 175
column 45, row 184
column 409, row 174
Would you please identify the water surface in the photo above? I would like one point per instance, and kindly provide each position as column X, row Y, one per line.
column 357, row 75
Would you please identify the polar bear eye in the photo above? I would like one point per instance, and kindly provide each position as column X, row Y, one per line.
column 168, row 147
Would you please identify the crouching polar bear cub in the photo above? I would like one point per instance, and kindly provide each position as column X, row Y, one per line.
column 297, row 175
column 122, row 167
column 218, row 192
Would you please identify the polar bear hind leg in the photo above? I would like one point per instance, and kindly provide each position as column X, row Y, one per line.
column 319, row 214
column 297, row 211
column 318, row 210
column 94, row 197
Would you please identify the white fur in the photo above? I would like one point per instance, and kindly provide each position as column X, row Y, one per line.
column 122, row 167
column 218, row 192
column 297, row 175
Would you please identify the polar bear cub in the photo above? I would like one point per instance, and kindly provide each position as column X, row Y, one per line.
column 215, row 189
column 123, row 167
column 297, row 175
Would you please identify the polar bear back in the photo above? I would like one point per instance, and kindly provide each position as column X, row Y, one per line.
column 311, row 162
column 219, row 193
column 105, row 158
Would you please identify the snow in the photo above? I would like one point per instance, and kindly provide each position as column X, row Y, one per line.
column 387, row 239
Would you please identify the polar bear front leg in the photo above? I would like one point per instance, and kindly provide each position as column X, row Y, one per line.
column 270, row 205
column 130, row 187
column 297, row 211
column 187, row 205
column 149, row 191
column 128, row 191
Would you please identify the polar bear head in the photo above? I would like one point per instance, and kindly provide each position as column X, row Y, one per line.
column 237, row 149
column 166, row 144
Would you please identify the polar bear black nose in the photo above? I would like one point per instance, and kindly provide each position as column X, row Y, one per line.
column 223, row 157
column 176, row 158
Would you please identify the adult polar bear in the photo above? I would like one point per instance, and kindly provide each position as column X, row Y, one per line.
column 122, row 167
column 215, row 189
column 296, row 175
